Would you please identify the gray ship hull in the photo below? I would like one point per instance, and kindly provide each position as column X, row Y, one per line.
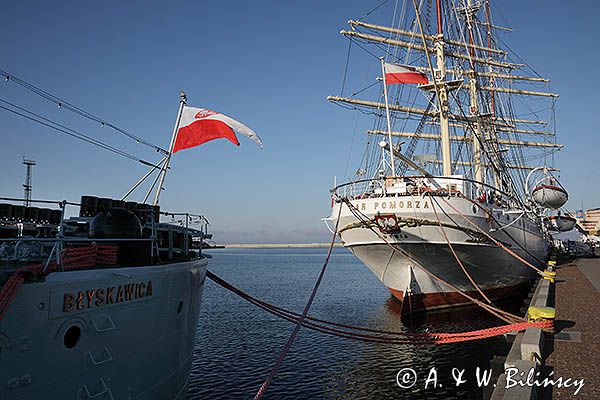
column 113, row 333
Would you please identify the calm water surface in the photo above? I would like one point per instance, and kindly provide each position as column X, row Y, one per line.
column 238, row 343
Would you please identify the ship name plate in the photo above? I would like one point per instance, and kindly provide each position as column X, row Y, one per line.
column 98, row 297
column 380, row 205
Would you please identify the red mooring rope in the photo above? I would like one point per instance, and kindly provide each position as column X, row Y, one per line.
column 72, row 258
column 351, row 332
column 377, row 335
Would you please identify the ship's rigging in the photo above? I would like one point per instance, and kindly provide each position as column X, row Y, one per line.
column 497, row 120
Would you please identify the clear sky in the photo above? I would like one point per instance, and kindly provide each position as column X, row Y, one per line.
column 269, row 64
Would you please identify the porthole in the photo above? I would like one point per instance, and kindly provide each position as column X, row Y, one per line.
column 474, row 209
column 72, row 336
column 179, row 307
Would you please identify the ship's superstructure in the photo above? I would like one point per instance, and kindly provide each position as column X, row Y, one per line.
column 441, row 202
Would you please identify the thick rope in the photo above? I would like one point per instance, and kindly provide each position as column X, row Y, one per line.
column 300, row 321
column 72, row 258
column 376, row 335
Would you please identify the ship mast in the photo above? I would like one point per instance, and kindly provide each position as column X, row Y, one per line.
column 488, row 20
column 478, row 74
column 442, row 93
column 389, row 124
column 474, row 109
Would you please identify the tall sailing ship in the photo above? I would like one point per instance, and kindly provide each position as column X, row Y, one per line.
column 456, row 185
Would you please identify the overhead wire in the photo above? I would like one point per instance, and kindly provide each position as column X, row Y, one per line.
column 61, row 103
column 30, row 115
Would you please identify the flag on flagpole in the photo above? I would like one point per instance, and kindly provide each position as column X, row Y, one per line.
column 395, row 73
column 199, row 125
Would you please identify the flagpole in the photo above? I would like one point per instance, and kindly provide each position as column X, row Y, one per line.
column 163, row 172
column 389, row 124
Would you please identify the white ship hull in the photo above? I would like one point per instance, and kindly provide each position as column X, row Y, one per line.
column 136, row 330
column 425, row 250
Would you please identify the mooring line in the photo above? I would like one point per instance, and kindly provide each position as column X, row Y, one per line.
column 515, row 323
column 290, row 341
column 491, row 216
column 377, row 335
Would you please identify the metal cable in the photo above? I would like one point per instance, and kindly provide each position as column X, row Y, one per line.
column 73, row 108
column 69, row 131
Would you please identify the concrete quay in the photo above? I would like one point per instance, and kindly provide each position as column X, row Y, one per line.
column 573, row 351
column 576, row 345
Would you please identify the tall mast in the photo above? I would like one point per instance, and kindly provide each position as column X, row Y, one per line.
column 492, row 133
column 488, row 21
column 474, row 109
column 442, row 93
column 389, row 124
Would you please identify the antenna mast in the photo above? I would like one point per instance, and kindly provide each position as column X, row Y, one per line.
column 165, row 168
column 27, row 185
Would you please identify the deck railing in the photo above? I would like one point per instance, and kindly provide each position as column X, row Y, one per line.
column 51, row 247
column 418, row 185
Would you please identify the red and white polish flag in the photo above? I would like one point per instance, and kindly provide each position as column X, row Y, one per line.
column 395, row 73
column 198, row 126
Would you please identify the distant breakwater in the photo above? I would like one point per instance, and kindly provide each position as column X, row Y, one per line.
column 277, row 245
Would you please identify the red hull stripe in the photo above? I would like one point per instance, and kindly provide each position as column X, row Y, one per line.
column 429, row 301
column 405, row 77
column 202, row 131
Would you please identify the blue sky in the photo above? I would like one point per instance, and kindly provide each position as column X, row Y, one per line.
column 269, row 64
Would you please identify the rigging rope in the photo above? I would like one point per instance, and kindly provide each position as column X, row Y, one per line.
column 23, row 112
column 62, row 103
column 373, row 10
column 346, row 67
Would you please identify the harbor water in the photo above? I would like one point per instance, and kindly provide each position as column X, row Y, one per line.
column 238, row 343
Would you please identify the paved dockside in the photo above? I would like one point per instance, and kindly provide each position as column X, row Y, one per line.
column 578, row 321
